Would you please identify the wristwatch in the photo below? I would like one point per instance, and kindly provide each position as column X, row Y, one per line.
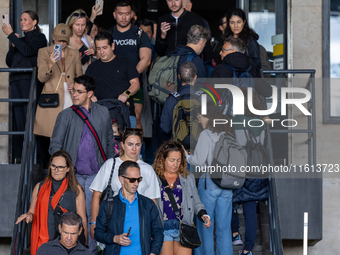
column 128, row 93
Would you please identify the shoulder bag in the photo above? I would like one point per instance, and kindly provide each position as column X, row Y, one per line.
column 188, row 235
column 50, row 99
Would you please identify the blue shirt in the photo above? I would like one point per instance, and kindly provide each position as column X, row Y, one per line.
column 131, row 220
column 86, row 162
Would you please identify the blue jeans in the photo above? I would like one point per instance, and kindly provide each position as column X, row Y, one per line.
column 133, row 122
column 85, row 181
column 249, row 212
column 218, row 204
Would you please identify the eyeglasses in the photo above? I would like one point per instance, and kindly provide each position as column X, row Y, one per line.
column 60, row 168
column 133, row 180
column 79, row 92
column 81, row 14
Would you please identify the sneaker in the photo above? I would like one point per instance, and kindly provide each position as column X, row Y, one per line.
column 237, row 240
column 242, row 253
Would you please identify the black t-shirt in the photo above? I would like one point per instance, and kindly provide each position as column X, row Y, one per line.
column 113, row 78
column 126, row 44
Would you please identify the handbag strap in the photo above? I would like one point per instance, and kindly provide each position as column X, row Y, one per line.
column 80, row 113
column 110, row 199
column 171, row 198
column 44, row 92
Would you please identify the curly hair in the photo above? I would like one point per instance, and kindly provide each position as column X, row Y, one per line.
column 247, row 33
column 71, row 177
column 163, row 152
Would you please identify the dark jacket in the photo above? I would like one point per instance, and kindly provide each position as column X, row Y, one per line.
column 150, row 225
column 25, row 52
column 241, row 62
column 184, row 52
column 254, row 189
column 177, row 35
column 169, row 105
column 253, row 52
column 54, row 247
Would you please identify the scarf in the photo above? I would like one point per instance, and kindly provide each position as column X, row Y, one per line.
column 39, row 234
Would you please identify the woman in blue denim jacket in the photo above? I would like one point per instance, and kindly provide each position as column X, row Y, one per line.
column 170, row 165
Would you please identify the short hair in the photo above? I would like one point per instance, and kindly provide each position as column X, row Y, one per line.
column 146, row 23
column 71, row 219
column 104, row 35
column 197, row 33
column 187, row 72
column 236, row 43
column 88, row 82
column 123, row 3
column 125, row 165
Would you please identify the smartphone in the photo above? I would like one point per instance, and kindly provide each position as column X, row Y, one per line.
column 173, row 24
column 101, row 3
column 5, row 19
column 127, row 235
column 58, row 48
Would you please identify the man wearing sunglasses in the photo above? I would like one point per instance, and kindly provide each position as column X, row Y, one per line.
column 135, row 226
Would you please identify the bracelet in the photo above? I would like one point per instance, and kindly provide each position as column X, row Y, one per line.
column 91, row 223
column 206, row 215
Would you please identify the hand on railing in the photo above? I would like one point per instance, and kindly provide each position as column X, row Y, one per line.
column 28, row 217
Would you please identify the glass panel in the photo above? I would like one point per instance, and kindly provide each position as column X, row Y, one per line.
column 335, row 57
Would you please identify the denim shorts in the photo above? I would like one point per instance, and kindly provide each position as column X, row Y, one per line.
column 171, row 230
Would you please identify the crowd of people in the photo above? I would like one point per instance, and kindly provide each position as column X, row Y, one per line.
column 145, row 165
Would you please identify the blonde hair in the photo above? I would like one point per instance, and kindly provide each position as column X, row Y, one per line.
column 72, row 19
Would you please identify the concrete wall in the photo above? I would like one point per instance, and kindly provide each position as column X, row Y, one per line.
column 305, row 52
column 4, row 9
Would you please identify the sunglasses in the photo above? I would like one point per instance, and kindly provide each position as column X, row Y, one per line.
column 133, row 180
column 172, row 146
column 82, row 14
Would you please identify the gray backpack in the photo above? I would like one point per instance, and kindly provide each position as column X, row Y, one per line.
column 229, row 157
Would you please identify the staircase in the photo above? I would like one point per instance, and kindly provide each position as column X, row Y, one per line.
column 262, row 235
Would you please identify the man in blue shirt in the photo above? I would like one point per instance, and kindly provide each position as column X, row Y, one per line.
column 135, row 226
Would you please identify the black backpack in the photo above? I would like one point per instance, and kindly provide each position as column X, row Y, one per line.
column 119, row 111
column 256, row 154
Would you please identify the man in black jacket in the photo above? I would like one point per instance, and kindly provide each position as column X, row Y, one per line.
column 135, row 226
column 172, row 29
column 232, row 53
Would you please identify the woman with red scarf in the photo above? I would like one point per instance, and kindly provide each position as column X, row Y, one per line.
column 59, row 193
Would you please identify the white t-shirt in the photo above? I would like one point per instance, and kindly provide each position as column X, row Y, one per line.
column 148, row 187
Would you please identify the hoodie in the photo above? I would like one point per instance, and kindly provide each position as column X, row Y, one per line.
column 241, row 62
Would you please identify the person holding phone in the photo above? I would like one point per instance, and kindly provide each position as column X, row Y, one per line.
column 135, row 226
column 79, row 40
column 57, row 72
column 22, row 53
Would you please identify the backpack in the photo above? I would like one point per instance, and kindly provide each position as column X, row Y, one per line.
column 119, row 111
column 256, row 154
column 229, row 156
column 163, row 77
column 240, row 79
column 185, row 126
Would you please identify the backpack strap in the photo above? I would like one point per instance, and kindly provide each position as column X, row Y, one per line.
column 81, row 115
column 190, row 57
column 248, row 69
column 230, row 67
column 160, row 88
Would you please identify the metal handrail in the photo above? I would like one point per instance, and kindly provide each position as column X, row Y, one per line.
column 274, row 216
column 20, row 231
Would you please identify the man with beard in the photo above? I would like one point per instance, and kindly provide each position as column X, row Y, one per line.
column 131, row 42
column 173, row 27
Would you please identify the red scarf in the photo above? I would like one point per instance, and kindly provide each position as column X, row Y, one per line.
column 39, row 234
